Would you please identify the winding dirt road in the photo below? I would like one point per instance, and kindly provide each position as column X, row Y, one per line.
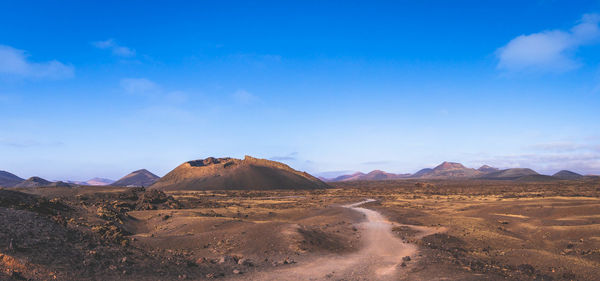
column 379, row 258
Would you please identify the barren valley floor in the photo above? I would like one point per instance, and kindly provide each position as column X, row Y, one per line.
column 412, row 230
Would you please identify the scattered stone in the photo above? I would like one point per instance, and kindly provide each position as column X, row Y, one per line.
column 112, row 233
column 150, row 199
column 108, row 213
column 245, row 262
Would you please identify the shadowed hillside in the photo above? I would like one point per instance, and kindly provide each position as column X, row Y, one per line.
column 8, row 180
column 510, row 174
column 137, row 178
column 567, row 175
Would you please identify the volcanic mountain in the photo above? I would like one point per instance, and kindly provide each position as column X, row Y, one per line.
column 487, row 169
column 230, row 173
column 137, row 178
column 371, row 176
column 422, row 172
column 351, row 177
column 93, row 182
column 34, row 182
column 510, row 174
column 567, row 175
column 98, row 181
column 9, row 180
column 447, row 170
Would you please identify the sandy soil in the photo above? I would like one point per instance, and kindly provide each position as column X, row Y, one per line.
column 381, row 256
column 439, row 230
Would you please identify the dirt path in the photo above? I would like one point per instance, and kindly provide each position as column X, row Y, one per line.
column 380, row 257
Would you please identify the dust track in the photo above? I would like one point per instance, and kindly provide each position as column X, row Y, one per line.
column 379, row 258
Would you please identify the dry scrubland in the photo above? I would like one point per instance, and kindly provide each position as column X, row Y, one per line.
column 547, row 230
column 483, row 230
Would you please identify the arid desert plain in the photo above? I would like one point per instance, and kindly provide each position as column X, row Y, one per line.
column 400, row 229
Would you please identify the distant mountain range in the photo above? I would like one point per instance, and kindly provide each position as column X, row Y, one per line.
column 137, row 178
column 260, row 173
column 94, row 182
column 452, row 170
column 40, row 182
column 373, row 175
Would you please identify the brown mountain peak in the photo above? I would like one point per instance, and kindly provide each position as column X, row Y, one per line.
column 448, row 166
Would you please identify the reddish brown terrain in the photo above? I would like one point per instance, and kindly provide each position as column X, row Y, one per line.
column 410, row 229
column 230, row 173
column 138, row 178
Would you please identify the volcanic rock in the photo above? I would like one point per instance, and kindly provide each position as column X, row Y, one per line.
column 230, row 173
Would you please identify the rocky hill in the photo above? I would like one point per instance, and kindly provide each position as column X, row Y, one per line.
column 141, row 177
column 510, row 174
column 371, row 176
column 447, row 170
column 9, row 180
column 351, row 177
column 487, row 169
column 94, row 181
column 230, row 173
column 34, row 182
column 567, row 175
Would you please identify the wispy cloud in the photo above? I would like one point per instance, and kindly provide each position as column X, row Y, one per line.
column 162, row 104
column 551, row 157
column 566, row 147
column 290, row 157
column 377, row 163
column 584, row 162
column 244, row 97
column 15, row 62
column 139, row 86
column 116, row 49
column 26, row 143
column 176, row 97
column 550, row 50
column 333, row 174
column 150, row 89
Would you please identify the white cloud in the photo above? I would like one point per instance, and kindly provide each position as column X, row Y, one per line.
column 115, row 48
column 551, row 50
column 176, row 97
column 151, row 89
column 289, row 157
column 566, row 147
column 141, row 86
column 15, row 62
column 242, row 96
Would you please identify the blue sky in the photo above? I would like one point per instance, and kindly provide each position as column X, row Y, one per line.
column 103, row 88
